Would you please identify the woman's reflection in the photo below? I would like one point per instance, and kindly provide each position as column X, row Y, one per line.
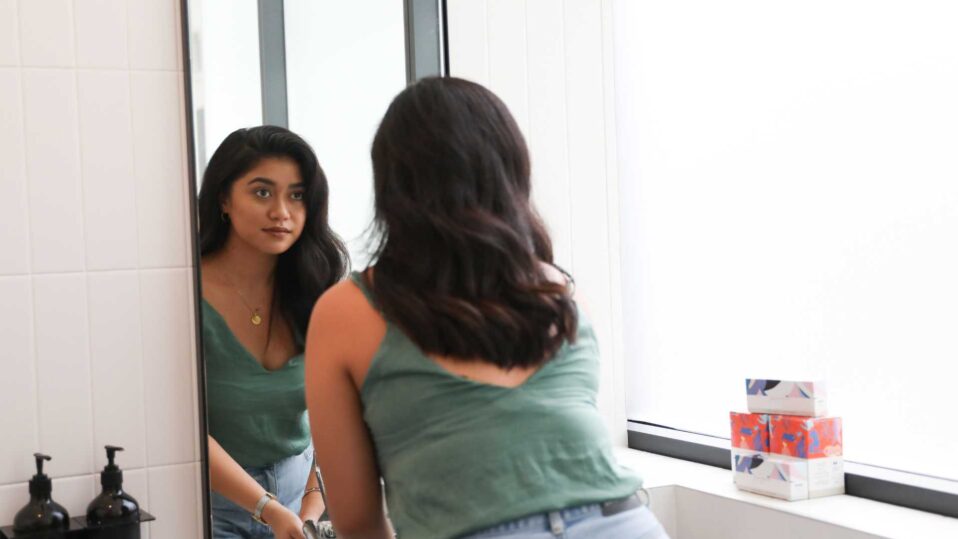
column 267, row 255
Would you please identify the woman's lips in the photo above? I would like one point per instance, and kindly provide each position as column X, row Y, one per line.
column 278, row 231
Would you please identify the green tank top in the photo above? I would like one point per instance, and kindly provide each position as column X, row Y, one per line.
column 458, row 456
column 258, row 416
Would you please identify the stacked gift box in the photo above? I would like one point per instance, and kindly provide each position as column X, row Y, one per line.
column 786, row 446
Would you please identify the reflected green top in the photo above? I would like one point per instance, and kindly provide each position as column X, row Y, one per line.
column 459, row 456
column 258, row 416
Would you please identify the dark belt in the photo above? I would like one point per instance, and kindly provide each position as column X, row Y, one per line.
column 615, row 507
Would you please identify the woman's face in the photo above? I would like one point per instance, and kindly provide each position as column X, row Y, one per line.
column 265, row 206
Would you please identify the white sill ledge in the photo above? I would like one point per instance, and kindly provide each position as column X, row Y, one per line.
column 868, row 516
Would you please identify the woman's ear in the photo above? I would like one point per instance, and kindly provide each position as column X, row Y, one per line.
column 225, row 211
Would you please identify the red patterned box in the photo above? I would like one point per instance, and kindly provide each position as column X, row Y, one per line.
column 805, row 437
column 749, row 431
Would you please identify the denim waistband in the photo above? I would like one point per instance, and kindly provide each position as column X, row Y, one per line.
column 546, row 520
column 541, row 521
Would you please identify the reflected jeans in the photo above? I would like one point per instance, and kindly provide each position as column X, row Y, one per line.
column 585, row 522
column 286, row 479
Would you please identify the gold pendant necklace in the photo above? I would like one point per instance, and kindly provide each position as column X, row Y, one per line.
column 255, row 318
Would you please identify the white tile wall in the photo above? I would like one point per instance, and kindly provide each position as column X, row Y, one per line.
column 63, row 370
column 168, row 365
column 101, row 33
column 46, row 33
column 116, row 354
column 153, row 35
column 171, row 493
column 14, row 232
column 549, row 62
column 9, row 34
column 162, row 223
column 94, row 256
column 109, row 192
column 53, row 169
column 18, row 390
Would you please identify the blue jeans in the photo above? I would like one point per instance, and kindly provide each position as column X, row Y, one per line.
column 585, row 522
column 286, row 479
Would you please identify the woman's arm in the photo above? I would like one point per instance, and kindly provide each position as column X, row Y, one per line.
column 231, row 481
column 344, row 450
column 313, row 506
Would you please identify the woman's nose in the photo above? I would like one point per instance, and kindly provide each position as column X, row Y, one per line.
column 280, row 210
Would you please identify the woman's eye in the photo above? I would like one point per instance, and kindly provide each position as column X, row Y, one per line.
column 296, row 196
column 262, row 193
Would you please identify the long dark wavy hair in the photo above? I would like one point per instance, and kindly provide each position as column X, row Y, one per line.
column 460, row 247
column 319, row 258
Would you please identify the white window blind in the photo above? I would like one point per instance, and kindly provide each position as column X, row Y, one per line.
column 789, row 201
column 345, row 61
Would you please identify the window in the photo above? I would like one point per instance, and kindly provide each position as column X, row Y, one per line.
column 789, row 192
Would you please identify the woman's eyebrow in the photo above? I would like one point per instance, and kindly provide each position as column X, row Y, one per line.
column 271, row 183
column 267, row 181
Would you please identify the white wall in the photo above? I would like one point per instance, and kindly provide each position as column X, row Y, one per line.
column 95, row 277
column 551, row 62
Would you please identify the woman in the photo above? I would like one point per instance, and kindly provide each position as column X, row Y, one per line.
column 267, row 255
column 460, row 368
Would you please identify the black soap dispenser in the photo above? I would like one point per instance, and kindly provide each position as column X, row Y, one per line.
column 112, row 506
column 42, row 513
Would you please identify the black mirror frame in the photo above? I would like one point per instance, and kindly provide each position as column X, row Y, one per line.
column 426, row 45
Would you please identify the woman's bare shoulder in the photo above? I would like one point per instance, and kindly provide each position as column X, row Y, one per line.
column 344, row 301
column 344, row 314
column 346, row 328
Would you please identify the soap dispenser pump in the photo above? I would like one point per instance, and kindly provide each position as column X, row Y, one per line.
column 113, row 505
column 42, row 513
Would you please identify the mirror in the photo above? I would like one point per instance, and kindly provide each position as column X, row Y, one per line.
column 326, row 71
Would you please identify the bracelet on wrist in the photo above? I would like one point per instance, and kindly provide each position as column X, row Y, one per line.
column 260, row 505
column 311, row 490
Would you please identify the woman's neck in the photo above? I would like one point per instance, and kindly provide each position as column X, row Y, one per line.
column 242, row 266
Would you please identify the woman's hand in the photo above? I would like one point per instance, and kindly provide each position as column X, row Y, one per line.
column 313, row 507
column 284, row 523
